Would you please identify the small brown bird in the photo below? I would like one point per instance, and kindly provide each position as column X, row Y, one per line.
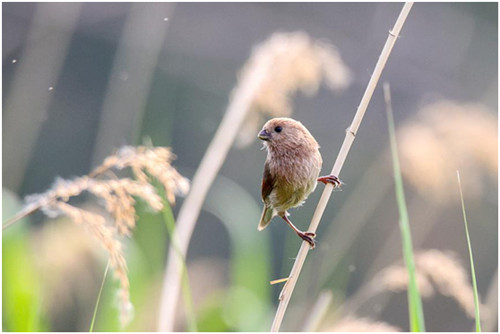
column 291, row 171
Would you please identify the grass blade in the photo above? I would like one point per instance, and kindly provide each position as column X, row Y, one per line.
column 473, row 272
column 414, row 300
column 98, row 299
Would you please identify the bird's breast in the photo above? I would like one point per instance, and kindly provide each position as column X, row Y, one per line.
column 294, row 178
column 294, row 168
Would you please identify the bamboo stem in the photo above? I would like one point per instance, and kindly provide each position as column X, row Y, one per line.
column 287, row 291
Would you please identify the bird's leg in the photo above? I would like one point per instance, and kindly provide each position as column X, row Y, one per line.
column 332, row 179
column 306, row 236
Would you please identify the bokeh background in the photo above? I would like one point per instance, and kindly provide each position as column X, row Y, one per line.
column 80, row 80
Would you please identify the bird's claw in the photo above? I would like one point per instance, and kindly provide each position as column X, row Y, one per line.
column 331, row 179
column 309, row 238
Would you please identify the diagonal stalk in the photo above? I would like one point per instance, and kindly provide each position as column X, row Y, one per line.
column 287, row 291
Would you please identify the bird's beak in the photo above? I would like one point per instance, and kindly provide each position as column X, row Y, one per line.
column 264, row 135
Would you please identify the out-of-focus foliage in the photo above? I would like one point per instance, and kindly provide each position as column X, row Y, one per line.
column 246, row 306
column 22, row 286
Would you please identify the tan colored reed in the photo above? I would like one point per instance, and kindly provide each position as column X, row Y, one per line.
column 287, row 290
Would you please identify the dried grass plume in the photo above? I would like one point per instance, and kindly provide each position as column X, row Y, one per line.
column 444, row 137
column 436, row 270
column 118, row 197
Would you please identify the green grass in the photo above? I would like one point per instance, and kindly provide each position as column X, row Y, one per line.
column 94, row 315
column 22, row 284
column 473, row 272
column 417, row 323
column 247, row 303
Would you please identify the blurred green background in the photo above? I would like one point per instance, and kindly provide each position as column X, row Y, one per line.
column 80, row 80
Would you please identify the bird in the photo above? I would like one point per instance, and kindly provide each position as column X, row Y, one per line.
column 291, row 171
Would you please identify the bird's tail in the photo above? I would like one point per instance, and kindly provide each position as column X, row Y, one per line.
column 265, row 219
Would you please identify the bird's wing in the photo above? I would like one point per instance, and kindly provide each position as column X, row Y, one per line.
column 267, row 183
column 267, row 188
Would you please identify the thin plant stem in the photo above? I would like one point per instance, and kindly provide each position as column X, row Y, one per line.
column 202, row 180
column 415, row 311
column 287, row 291
column 94, row 316
column 20, row 215
column 169, row 219
column 473, row 272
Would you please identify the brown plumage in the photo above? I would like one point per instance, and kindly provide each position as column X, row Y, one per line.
column 291, row 170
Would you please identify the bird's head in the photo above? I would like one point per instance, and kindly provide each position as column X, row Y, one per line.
column 287, row 133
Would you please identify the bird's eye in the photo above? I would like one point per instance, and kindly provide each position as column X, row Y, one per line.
column 278, row 129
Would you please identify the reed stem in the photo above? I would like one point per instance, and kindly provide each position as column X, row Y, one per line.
column 287, row 291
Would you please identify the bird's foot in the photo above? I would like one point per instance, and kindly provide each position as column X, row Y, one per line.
column 331, row 179
column 308, row 237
